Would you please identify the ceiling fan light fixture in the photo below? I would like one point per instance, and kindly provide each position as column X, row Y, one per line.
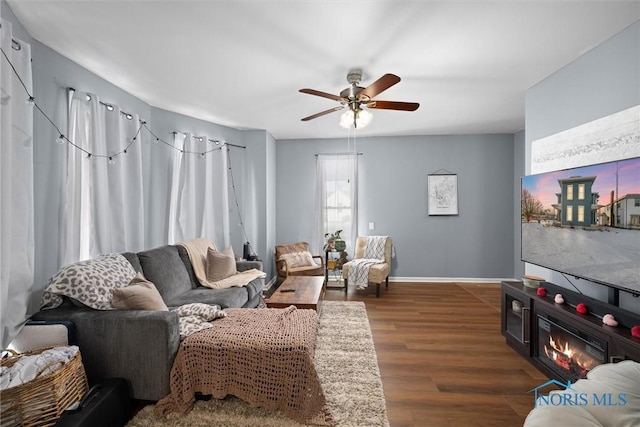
column 362, row 118
column 355, row 97
column 346, row 119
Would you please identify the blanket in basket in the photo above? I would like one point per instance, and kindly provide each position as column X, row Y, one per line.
column 30, row 366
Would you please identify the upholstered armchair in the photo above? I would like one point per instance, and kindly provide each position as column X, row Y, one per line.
column 378, row 271
column 295, row 259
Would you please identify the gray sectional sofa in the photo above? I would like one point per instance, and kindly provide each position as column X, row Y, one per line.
column 141, row 345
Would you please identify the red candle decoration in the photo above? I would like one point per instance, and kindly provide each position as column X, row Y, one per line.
column 541, row 292
column 635, row 331
column 582, row 308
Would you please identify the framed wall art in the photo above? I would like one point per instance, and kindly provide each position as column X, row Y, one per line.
column 442, row 191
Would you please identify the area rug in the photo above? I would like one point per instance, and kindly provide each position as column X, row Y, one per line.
column 346, row 363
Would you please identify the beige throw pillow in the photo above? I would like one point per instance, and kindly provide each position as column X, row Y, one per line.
column 220, row 265
column 298, row 259
column 140, row 294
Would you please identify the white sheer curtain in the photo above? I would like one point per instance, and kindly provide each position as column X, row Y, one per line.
column 16, row 184
column 199, row 202
column 102, row 196
column 336, row 198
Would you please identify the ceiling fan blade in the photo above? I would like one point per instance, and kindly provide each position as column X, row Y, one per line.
column 322, row 113
column 322, row 94
column 393, row 105
column 380, row 85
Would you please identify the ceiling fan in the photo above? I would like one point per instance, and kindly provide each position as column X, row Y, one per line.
column 355, row 97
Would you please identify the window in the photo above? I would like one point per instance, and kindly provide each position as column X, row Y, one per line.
column 338, row 206
column 580, row 191
column 580, row 213
column 336, row 198
column 569, row 214
column 103, row 208
column 570, row 192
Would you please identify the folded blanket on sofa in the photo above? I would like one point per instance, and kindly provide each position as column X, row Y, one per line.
column 198, row 249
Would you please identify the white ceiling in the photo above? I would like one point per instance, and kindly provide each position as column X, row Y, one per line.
column 241, row 63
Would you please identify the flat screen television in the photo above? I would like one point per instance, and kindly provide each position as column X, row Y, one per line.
column 585, row 222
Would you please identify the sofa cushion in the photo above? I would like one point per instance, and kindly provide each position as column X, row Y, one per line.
column 220, row 265
column 226, row 298
column 133, row 260
column 165, row 269
column 184, row 256
column 140, row 294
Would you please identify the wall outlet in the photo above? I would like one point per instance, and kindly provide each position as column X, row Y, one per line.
column 372, row 226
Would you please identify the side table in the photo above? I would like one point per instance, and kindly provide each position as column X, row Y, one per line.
column 333, row 268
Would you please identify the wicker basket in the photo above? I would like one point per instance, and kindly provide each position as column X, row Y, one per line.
column 41, row 401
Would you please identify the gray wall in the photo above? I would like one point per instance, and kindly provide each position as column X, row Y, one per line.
column 476, row 244
column 52, row 75
column 603, row 81
column 259, row 195
column 518, row 173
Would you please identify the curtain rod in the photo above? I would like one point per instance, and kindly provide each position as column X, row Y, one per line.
column 337, row 154
column 109, row 107
column 130, row 116
column 175, row 132
column 234, row 145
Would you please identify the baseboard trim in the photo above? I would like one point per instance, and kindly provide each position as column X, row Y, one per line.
column 269, row 284
column 448, row 279
column 431, row 280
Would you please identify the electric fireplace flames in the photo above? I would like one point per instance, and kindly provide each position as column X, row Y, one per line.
column 568, row 352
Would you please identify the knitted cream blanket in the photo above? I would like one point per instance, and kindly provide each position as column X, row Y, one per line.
column 197, row 250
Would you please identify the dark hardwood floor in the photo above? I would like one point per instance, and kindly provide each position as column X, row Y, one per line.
column 442, row 358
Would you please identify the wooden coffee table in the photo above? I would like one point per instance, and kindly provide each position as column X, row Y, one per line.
column 308, row 292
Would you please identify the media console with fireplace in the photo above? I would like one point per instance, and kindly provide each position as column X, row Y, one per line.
column 559, row 341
